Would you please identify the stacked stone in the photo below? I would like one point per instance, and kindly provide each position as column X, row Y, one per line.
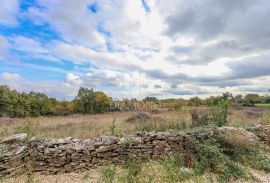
column 13, row 155
column 54, row 156
column 262, row 132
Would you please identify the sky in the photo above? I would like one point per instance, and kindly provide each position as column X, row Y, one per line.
column 135, row 48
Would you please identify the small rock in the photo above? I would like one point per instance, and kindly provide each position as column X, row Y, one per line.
column 102, row 148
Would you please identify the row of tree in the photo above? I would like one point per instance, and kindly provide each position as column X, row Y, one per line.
column 88, row 101
column 248, row 100
column 20, row 104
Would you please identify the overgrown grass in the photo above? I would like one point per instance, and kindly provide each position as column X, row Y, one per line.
column 251, row 155
column 209, row 157
column 266, row 117
column 29, row 127
column 161, row 126
column 108, row 174
column 201, row 161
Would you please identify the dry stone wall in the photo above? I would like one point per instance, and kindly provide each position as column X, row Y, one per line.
column 69, row 154
column 18, row 153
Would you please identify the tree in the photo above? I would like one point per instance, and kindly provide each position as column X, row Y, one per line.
column 227, row 96
column 151, row 99
column 238, row 100
column 195, row 101
column 40, row 104
column 4, row 99
column 102, row 102
column 85, row 100
column 251, row 98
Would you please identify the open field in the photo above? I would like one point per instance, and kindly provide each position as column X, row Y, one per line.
column 168, row 170
column 262, row 105
column 89, row 126
column 134, row 91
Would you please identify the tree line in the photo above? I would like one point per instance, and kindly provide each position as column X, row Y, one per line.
column 88, row 101
column 21, row 104
column 248, row 100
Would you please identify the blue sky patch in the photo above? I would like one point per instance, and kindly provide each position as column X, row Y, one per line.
column 145, row 6
column 93, row 7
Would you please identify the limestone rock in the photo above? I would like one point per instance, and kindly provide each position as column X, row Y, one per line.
column 15, row 138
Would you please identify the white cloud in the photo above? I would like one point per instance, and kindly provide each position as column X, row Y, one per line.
column 4, row 46
column 9, row 10
column 51, row 88
column 25, row 44
column 71, row 19
column 73, row 79
column 33, row 49
column 10, row 76
column 198, row 47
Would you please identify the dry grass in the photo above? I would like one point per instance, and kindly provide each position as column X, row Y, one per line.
column 151, row 172
column 89, row 126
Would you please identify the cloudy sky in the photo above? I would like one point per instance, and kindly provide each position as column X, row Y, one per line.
column 163, row 48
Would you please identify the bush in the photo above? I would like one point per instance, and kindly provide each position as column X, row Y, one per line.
column 209, row 157
column 220, row 113
column 217, row 115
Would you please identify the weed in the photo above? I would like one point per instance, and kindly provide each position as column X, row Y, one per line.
column 171, row 169
column 108, row 174
column 266, row 116
column 113, row 127
column 161, row 126
column 244, row 150
column 255, row 158
column 29, row 127
column 204, row 120
column 174, row 170
column 133, row 169
column 86, row 176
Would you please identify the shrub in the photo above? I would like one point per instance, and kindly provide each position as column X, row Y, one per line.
column 220, row 113
column 217, row 115
column 209, row 157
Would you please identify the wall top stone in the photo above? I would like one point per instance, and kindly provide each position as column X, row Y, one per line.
column 14, row 138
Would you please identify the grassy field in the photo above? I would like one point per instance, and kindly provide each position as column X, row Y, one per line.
column 215, row 165
column 262, row 105
column 89, row 126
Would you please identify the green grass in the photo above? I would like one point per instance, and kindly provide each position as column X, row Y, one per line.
column 262, row 105
column 218, row 158
column 108, row 174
